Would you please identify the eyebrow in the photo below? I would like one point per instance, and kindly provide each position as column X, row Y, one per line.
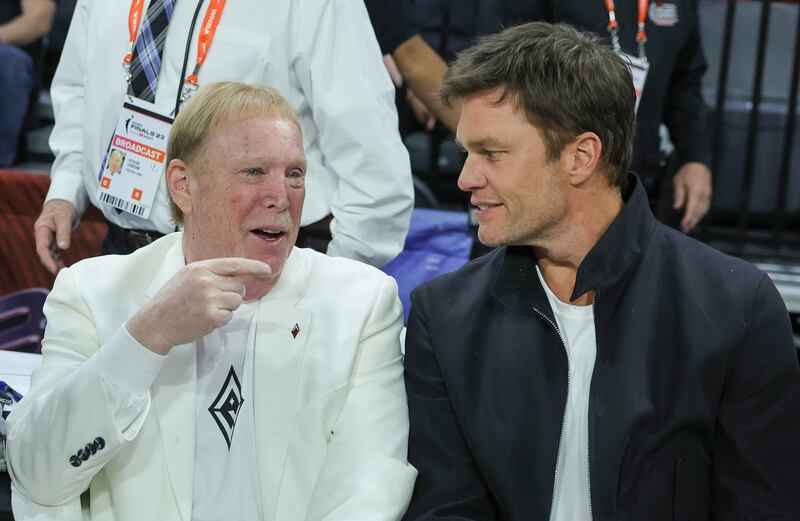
column 481, row 143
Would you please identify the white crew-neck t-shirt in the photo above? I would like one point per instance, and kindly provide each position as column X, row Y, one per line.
column 571, row 492
column 226, row 484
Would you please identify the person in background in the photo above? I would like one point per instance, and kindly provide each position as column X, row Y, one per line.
column 597, row 365
column 22, row 25
column 669, row 40
column 220, row 372
column 324, row 58
column 410, row 60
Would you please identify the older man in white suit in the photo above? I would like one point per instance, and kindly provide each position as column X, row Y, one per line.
column 219, row 373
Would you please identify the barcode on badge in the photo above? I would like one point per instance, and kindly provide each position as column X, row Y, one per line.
column 125, row 206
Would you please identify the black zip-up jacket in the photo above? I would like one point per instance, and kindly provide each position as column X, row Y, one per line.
column 694, row 408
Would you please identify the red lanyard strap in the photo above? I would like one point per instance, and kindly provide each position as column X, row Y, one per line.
column 613, row 25
column 134, row 21
column 204, row 39
column 641, row 35
column 209, row 28
column 612, row 17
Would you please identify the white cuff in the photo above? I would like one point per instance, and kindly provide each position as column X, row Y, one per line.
column 68, row 187
column 128, row 364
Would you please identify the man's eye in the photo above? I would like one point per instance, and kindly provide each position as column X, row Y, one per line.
column 492, row 154
column 253, row 172
column 295, row 174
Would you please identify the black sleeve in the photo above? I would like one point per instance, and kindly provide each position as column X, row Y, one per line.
column 449, row 485
column 756, row 468
column 393, row 21
column 685, row 113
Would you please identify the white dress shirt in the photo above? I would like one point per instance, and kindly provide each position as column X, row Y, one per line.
column 320, row 54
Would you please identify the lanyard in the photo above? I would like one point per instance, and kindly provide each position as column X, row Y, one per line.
column 134, row 20
column 204, row 39
column 613, row 26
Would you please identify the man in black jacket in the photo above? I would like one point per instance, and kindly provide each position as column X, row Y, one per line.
column 597, row 365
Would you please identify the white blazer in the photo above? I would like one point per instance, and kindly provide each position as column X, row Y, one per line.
column 331, row 420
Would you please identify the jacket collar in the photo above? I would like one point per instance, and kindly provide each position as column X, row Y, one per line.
column 621, row 247
column 615, row 254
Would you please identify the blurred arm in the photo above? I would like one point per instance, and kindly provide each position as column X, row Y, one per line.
column 422, row 70
column 34, row 22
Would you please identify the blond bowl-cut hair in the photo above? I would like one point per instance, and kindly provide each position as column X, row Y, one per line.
column 214, row 106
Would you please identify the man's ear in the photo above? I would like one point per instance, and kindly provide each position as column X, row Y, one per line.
column 178, row 182
column 585, row 151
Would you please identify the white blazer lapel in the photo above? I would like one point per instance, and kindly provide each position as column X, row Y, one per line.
column 281, row 335
column 170, row 264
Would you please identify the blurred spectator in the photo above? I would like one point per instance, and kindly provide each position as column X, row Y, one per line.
column 322, row 56
column 22, row 24
column 55, row 40
column 671, row 94
column 410, row 60
column 449, row 26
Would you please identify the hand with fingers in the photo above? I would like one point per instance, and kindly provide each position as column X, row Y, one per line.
column 52, row 231
column 692, row 189
column 198, row 299
column 421, row 112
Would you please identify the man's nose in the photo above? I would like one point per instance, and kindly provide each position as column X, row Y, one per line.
column 276, row 192
column 470, row 177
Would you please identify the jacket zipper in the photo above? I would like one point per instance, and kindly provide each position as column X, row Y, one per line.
column 563, row 424
column 588, row 453
column 564, row 417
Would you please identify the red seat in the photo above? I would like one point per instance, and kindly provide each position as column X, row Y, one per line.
column 21, row 197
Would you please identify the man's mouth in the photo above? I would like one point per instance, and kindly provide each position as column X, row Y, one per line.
column 482, row 207
column 269, row 234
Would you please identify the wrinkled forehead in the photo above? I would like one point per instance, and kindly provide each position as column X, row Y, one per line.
column 234, row 115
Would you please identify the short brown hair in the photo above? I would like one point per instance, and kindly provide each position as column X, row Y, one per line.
column 214, row 106
column 566, row 81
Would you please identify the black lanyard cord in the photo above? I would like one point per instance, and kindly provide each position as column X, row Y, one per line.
column 182, row 77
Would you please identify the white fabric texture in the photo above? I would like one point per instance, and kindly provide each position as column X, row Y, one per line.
column 128, row 370
column 571, row 492
column 320, row 54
